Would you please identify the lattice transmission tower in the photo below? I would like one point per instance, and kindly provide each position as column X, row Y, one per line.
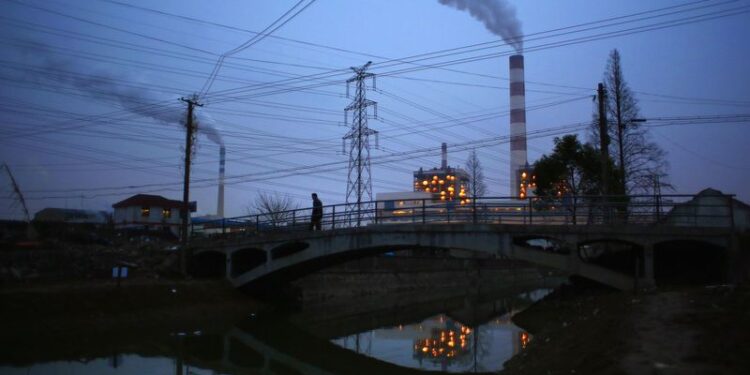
column 359, row 182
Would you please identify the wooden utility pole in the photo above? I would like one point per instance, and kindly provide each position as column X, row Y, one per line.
column 185, row 212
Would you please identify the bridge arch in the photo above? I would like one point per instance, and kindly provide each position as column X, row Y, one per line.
column 288, row 248
column 616, row 254
column 262, row 256
column 301, row 264
column 543, row 242
column 247, row 259
column 690, row 261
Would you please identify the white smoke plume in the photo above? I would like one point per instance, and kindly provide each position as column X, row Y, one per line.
column 208, row 126
column 498, row 17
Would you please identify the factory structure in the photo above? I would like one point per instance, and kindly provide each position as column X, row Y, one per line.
column 444, row 186
column 220, row 198
column 445, row 183
column 520, row 174
column 451, row 184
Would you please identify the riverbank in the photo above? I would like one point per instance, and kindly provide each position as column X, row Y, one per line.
column 575, row 330
column 696, row 330
column 63, row 320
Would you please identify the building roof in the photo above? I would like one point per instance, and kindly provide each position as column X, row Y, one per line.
column 147, row 200
column 68, row 215
column 708, row 192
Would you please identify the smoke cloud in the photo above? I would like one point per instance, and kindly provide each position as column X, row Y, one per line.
column 208, row 126
column 498, row 17
column 129, row 91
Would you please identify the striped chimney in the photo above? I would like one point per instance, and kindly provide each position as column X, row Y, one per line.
column 220, row 203
column 444, row 154
column 517, row 122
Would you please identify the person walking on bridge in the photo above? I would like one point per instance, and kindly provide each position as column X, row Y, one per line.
column 317, row 213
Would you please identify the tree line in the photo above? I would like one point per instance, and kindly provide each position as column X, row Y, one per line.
column 636, row 164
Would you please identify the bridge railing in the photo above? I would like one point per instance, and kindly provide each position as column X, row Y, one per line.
column 716, row 210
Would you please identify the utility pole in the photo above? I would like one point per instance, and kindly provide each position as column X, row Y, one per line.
column 359, row 181
column 185, row 212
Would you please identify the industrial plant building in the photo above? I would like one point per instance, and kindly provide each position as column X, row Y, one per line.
column 435, row 188
column 445, row 183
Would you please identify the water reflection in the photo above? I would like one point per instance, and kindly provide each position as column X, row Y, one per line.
column 468, row 334
column 443, row 343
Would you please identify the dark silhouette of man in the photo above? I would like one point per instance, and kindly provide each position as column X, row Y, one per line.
column 317, row 213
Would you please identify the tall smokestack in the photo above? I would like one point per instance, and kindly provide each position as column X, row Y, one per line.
column 444, row 164
column 517, row 122
column 220, row 203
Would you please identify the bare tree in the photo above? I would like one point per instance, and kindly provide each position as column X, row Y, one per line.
column 477, row 187
column 272, row 208
column 638, row 158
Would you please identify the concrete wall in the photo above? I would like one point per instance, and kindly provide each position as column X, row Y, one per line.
column 398, row 274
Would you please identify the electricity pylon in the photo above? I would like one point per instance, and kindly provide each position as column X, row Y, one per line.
column 359, row 182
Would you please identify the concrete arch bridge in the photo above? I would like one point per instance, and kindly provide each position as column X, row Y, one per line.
column 270, row 256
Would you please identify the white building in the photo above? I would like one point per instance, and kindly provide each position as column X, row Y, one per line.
column 152, row 213
column 711, row 208
column 405, row 205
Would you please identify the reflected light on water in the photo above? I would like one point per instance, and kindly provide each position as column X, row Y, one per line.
column 440, row 343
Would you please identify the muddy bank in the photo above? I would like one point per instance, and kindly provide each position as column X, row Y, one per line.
column 699, row 330
column 95, row 319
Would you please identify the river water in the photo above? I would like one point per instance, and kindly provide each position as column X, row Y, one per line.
column 464, row 333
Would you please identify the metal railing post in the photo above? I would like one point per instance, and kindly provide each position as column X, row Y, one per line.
column 531, row 212
column 731, row 212
column 294, row 218
column 333, row 218
column 376, row 211
column 223, row 226
column 257, row 223
column 424, row 210
column 474, row 210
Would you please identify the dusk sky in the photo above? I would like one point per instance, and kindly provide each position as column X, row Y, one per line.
column 90, row 111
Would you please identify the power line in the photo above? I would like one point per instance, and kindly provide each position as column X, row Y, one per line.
column 252, row 41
